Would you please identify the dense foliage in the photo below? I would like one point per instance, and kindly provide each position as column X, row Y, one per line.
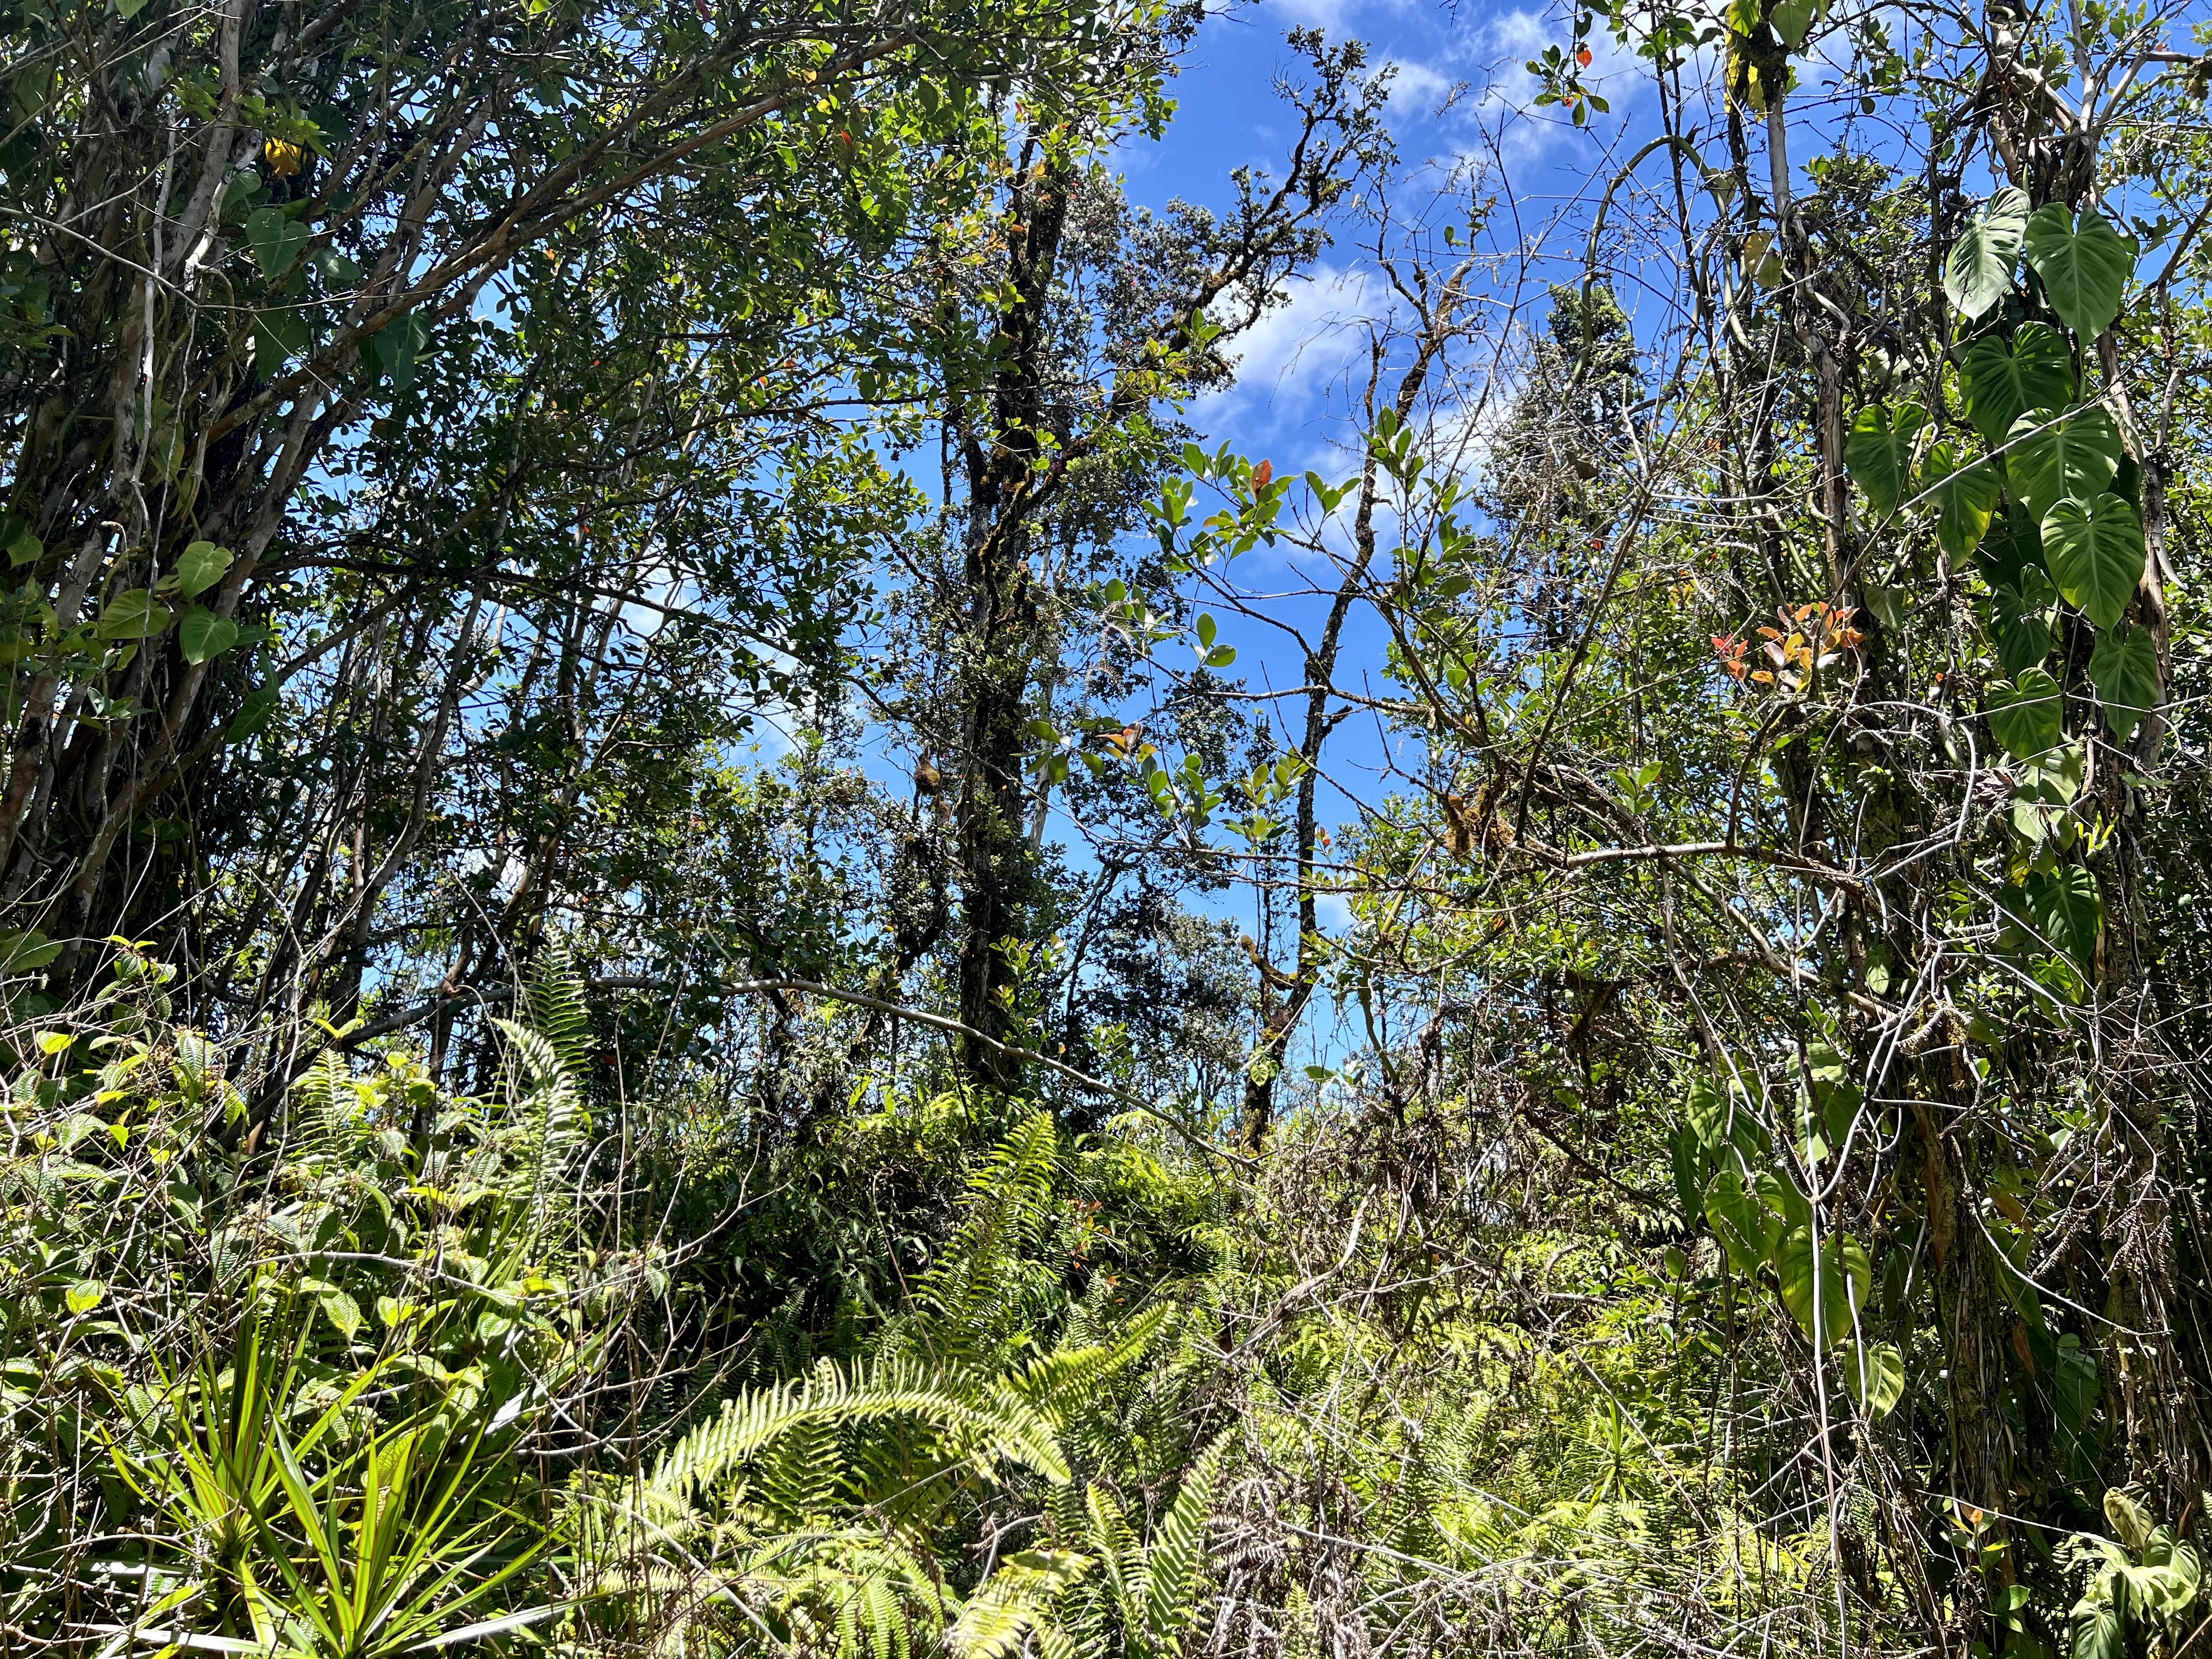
column 722, row 937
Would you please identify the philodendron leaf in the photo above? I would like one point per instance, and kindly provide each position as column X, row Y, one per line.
column 2124, row 667
column 2085, row 265
column 204, row 635
column 2004, row 381
column 276, row 240
column 2050, row 458
column 2026, row 715
column 2066, row 913
column 134, row 615
column 2019, row 620
column 1964, row 493
column 1827, row 1311
column 1879, row 452
column 1977, row 270
column 1874, row 1374
column 200, row 566
column 2095, row 551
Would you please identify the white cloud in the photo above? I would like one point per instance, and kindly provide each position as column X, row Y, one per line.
column 1288, row 359
column 1333, row 15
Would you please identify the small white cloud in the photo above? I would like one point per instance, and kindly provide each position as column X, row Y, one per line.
column 1417, row 90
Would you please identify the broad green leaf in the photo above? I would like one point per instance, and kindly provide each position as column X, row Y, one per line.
column 2095, row 551
column 1977, row 270
column 1879, row 452
column 2099, row 1631
column 253, row 714
column 2085, row 265
column 84, row 1295
column 2124, row 666
column 1964, row 492
column 2019, row 620
column 25, row 950
column 1734, row 1217
column 2046, row 787
column 2013, row 546
column 2050, row 458
column 278, row 336
column 203, row 634
column 2026, row 716
column 342, row 1310
column 1826, row 1312
column 2063, row 911
column 276, row 240
column 200, row 566
column 134, row 615
column 1874, row 1374
column 2129, row 1521
column 1793, row 21
column 2004, row 381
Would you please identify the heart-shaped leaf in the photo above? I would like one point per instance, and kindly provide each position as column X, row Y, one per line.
column 2013, row 545
column 276, row 240
column 2027, row 716
column 1964, row 493
column 2045, row 791
column 200, row 566
column 2124, row 666
column 2095, row 551
column 278, row 337
column 203, row 634
column 252, row 714
column 2050, row 458
column 1874, row 1374
column 136, row 615
column 2019, row 620
column 1978, row 272
column 2085, row 265
column 1826, row 1310
column 1879, row 452
column 2004, row 381
column 2062, row 912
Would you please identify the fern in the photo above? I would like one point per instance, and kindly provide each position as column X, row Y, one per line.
column 996, row 1421
column 555, row 996
column 1172, row 1563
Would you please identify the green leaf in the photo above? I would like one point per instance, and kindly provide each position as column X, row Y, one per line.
column 2063, row 911
column 84, row 1295
column 1965, row 493
column 253, row 714
column 2004, row 382
column 1977, row 270
column 1734, row 1215
column 2019, row 620
column 2026, row 716
column 1793, row 21
column 2099, row 1631
column 1879, row 452
column 2124, row 667
column 278, row 336
column 2085, row 265
column 1826, row 1313
column 2012, row 547
column 2095, row 551
column 134, row 614
column 1874, row 1374
column 204, row 634
column 341, row 1310
column 200, row 566
column 26, row 950
column 2047, row 787
column 276, row 240
column 2050, row 458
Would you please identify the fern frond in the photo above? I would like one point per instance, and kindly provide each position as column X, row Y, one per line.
column 1057, row 1383
column 1000, row 1424
column 1172, row 1563
column 556, row 1010
column 1014, row 1602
